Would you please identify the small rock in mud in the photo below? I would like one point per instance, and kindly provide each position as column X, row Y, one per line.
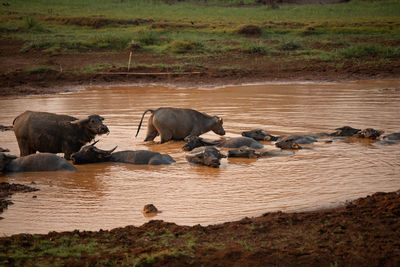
column 150, row 208
column 7, row 189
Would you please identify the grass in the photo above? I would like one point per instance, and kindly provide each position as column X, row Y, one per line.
column 196, row 30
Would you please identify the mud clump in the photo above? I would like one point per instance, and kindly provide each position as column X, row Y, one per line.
column 249, row 30
column 7, row 190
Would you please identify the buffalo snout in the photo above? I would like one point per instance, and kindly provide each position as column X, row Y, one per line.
column 211, row 160
column 95, row 124
column 218, row 128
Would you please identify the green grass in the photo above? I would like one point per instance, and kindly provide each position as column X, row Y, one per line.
column 192, row 30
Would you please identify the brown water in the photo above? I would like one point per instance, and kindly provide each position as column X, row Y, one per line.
column 104, row 196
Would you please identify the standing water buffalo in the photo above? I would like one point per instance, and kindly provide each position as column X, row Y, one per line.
column 48, row 132
column 34, row 163
column 179, row 124
column 92, row 154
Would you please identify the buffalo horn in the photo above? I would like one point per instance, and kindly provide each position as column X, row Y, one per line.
column 105, row 152
column 95, row 142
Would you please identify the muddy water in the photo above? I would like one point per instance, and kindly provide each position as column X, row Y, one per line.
column 104, row 196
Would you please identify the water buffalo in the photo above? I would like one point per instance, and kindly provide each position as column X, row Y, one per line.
column 259, row 135
column 243, row 152
column 237, row 142
column 48, row 132
column 288, row 144
column 179, row 124
column 206, row 155
column 246, row 152
column 234, row 142
column 299, row 139
column 92, row 154
column 34, row 163
column 369, row 133
column 196, row 141
column 392, row 136
column 345, row 131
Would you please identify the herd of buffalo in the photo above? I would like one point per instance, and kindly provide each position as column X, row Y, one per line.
column 50, row 133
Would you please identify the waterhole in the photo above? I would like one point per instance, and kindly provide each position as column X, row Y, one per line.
column 109, row 195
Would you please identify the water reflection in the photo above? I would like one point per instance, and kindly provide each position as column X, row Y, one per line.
column 108, row 195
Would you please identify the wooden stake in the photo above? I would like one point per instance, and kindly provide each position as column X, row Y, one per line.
column 129, row 62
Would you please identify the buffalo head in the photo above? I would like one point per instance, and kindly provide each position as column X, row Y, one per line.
column 208, row 156
column 369, row 133
column 94, row 123
column 217, row 126
column 288, row 144
column 196, row 141
column 4, row 160
column 91, row 154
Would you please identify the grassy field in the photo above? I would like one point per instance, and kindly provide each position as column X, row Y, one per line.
column 191, row 30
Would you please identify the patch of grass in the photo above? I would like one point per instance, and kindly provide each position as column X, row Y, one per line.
column 229, row 68
column 31, row 24
column 181, row 47
column 369, row 50
column 93, row 68
column 246, row 246
column 290, row 46
column 39, row 69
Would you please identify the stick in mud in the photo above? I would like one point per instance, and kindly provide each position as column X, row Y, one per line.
column 129, row 61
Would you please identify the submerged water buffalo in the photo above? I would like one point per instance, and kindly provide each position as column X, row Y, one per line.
column 206, row 155
column 49, row 132
column 288, row 144
column 369, row 133
column 345, row 131
column 179, row 124
column 246, row 152
column 34, row 163
column 259, row 135
column 303, row 139
column 92, row 154
column 234, row 142
column 392, row 136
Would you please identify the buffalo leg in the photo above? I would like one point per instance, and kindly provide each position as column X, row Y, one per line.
column 24, row 149
column 166, row 136
column 151, row 132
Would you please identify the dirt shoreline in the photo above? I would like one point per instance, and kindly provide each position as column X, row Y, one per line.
column 22, row 84
column 37, row 72
column 364, row 232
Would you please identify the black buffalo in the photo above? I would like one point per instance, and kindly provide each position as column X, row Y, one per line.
column 179, row 124
column 206, row 155
column 38, row 162
column 49, row 132
column 92, row 154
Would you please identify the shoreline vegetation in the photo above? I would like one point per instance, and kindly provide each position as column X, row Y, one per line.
column 53, row 46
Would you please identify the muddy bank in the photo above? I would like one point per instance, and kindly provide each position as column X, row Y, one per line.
column 36, row 72
column 363, row 232
column 7, row 190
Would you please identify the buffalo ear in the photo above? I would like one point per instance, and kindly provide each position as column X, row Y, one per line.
column 219, row 120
